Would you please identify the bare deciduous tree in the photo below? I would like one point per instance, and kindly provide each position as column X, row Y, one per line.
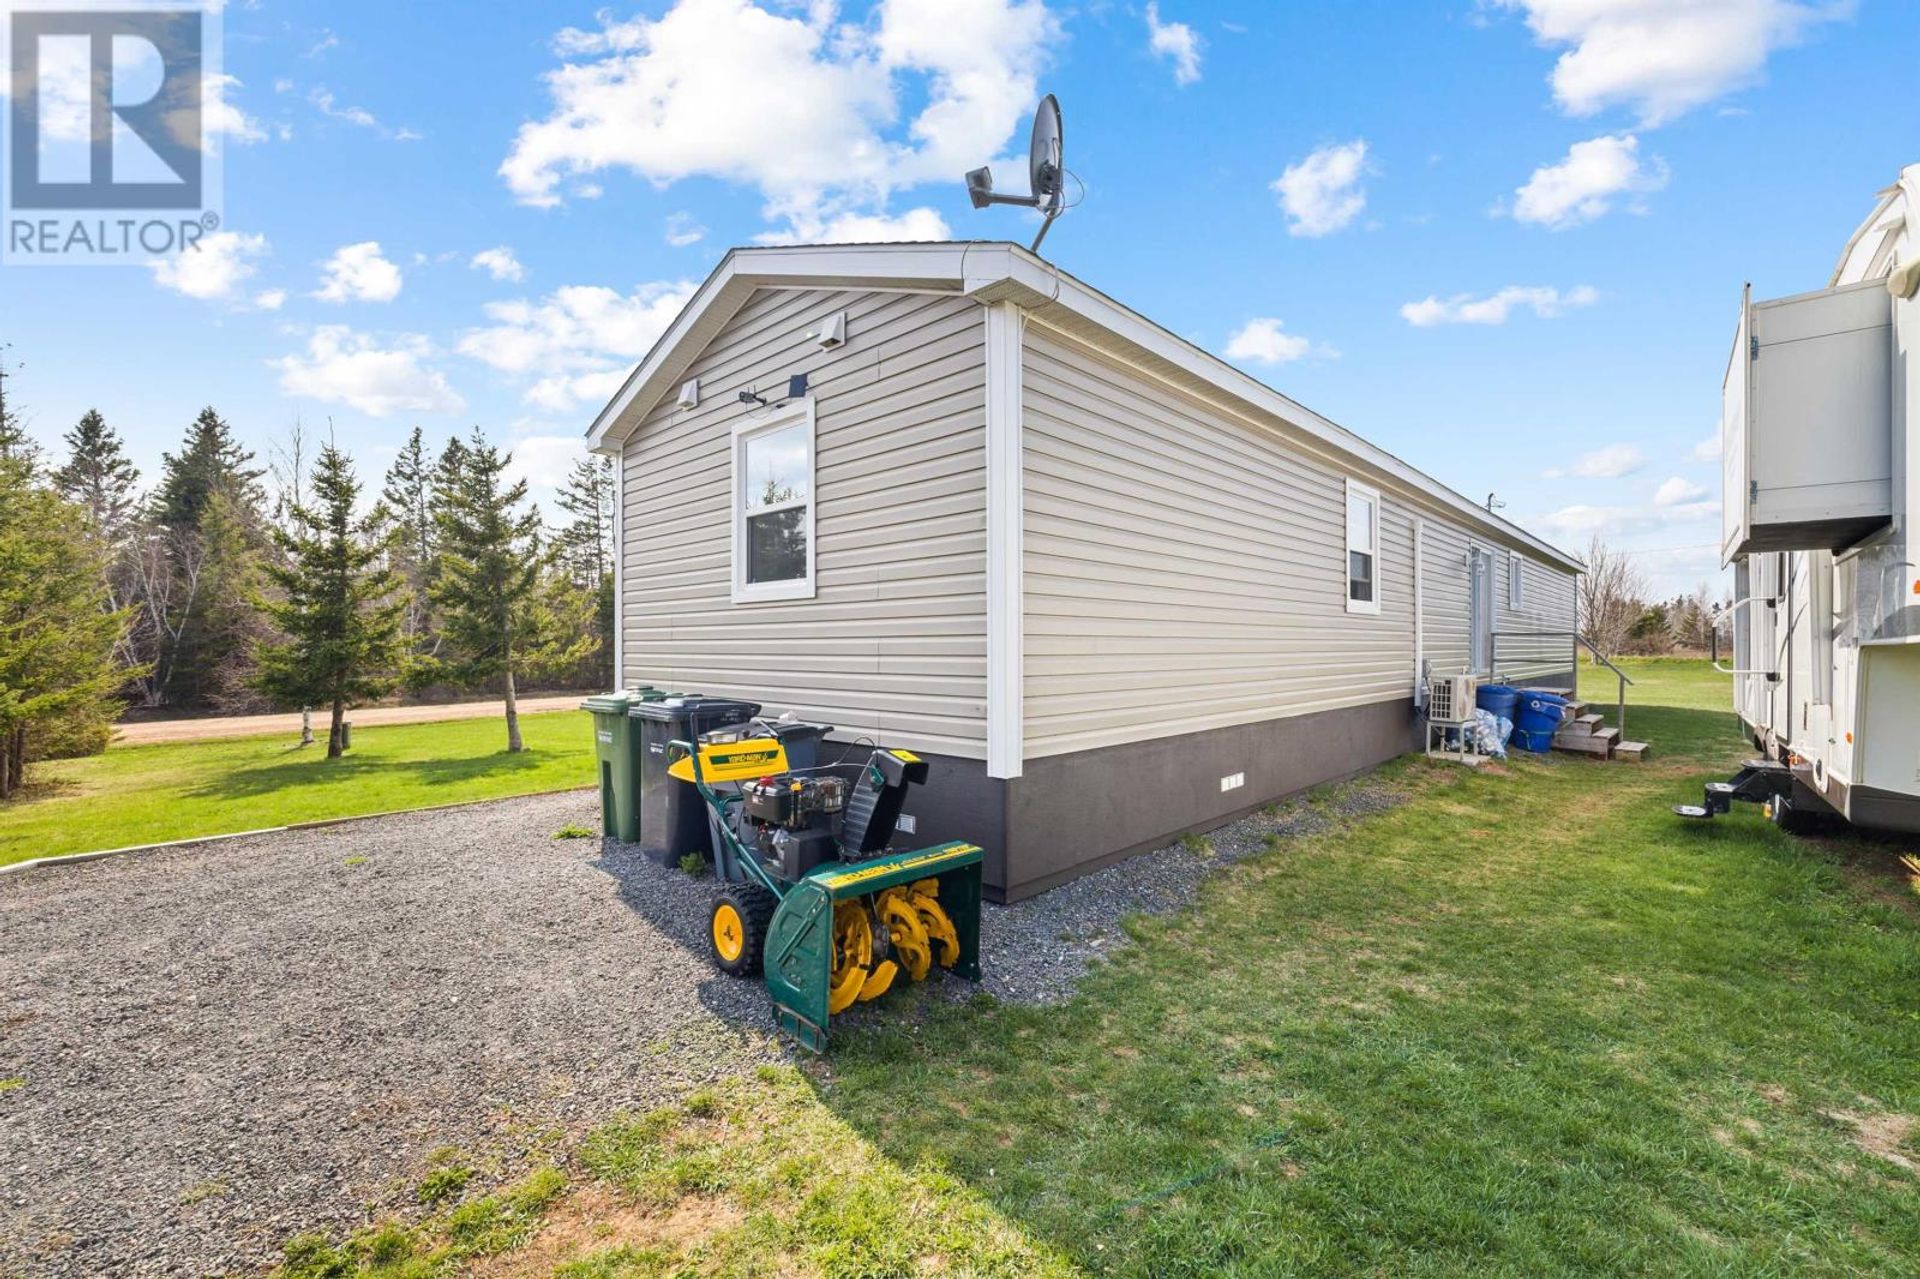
column 1612, row 592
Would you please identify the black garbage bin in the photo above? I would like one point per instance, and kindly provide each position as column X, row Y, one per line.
column 673, row 818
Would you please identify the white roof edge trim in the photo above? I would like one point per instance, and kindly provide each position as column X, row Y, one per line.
column 1003, row 268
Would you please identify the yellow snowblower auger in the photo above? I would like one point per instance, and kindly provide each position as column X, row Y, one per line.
column 810, row 895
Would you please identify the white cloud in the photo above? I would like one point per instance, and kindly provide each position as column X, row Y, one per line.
column 1662, row 58
column 327, row 105
column 861, row 228
column 1260, row 341
column 1609, row 463
column 270, row 299
column 214, row 269
column 1708, row 450
column 342, row 366
column 683, row 230
column 1678, row 492
column 1464, row 308
column 1175, row 41
column 1577, row 523
column 545, row 461
column 219, row 117
column 500, row 263
column 1583, row 186
column 822, row 116
column 581, row 340
column 359, row 273
column 1322, row 193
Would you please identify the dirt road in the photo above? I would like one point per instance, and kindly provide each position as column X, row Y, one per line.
column 147, row 732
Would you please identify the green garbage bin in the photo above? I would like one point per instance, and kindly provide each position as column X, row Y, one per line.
column 616, row 749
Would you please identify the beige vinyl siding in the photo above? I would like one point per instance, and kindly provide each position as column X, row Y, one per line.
column 1446, row 593
column 1183, row 570
column 894, row 642
column 1547, row 603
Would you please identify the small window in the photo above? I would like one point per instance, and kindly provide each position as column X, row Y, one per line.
column 1515, row 580
column 1363, row 549
column 773, row 505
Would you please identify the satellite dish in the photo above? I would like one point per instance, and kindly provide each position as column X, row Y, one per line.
column 1046, row 171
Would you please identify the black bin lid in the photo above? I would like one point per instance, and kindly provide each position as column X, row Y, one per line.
column 678, row 710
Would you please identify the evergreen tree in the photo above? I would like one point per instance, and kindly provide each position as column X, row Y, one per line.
column 587, row 551
column 15, row 444
column 340, row 610
column 210, row 461
column 496, row 611
column 198, row 595
column 58, row 672
column 408, row 494
column 99, row 478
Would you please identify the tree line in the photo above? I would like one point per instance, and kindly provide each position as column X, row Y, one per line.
column 1618, row 615
column 229, row 586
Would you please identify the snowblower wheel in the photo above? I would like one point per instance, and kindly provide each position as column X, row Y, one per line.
column 738, row 932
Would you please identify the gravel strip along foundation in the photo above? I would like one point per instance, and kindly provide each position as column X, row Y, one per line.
column 1035, row 951
column 226, row 1045
column 223, row 1046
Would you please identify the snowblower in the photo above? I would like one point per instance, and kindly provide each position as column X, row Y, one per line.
column 810, row 892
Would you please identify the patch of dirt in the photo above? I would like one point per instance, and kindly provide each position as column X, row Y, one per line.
column 1882, row 1134
column 1775, row 1093
column 596, row 1218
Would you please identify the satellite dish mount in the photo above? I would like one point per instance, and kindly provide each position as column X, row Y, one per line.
column 1046, row 172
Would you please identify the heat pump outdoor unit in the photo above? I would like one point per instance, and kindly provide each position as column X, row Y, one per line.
column 1450, row 700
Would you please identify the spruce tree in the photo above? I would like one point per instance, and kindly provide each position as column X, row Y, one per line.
column 587, row 550
column 340, row 607
column 490, row 591
column 15, row 444
column 408, row 494
column 98, row 477
column 210, row 461
column 208, row 511
column 58, row 641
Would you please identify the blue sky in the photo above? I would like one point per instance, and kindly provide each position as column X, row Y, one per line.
column 1504, row 240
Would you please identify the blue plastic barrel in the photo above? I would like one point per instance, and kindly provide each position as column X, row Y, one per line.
column 1536, row 720
column 1498, row 698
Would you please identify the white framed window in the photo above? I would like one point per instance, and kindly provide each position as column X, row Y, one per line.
column 1515, row 580
column 772, row 503
column 1363, row 548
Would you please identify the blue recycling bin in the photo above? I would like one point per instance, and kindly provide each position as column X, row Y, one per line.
column 1497, row 698
column 1536, row 719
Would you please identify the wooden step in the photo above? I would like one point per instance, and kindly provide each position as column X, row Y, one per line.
column 1632, row 751
column 1582, row 725
column 1599, row 742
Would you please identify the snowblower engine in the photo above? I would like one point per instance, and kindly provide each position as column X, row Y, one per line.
column 789, row 819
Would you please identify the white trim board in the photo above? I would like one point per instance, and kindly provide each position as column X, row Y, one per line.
column 1006, row 500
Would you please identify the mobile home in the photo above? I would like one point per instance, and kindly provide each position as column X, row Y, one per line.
column 950, row 498
column 1820, row 434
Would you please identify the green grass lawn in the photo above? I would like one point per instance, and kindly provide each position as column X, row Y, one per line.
column 1527, row 1023
column 146, row 794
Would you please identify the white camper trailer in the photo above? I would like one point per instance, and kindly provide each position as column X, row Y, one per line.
column 1820, row 440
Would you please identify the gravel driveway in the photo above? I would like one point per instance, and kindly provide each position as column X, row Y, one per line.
column 223, row 1046
column 226, row 1045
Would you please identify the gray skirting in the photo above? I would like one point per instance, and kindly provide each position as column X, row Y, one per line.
column 1070, row 814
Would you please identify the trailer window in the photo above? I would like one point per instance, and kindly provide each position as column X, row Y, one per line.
column 1514, row 579
column 773, row 505
column 1363, row 549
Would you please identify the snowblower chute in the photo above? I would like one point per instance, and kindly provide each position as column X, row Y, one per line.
column 810, row 892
